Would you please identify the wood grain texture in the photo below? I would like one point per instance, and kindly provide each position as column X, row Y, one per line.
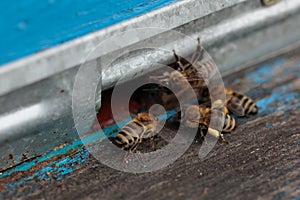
column 262, row 160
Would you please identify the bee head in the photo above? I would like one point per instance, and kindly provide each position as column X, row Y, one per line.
column 144, row 118
column 192, row 112
column 192, row 116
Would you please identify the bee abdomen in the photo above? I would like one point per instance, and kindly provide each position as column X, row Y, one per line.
column 124, row 140
column 229, row 124
column 128, row 135
column 250, row 107
column 248, row 104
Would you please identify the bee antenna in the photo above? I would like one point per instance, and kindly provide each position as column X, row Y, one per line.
column 176, row 56
column 199, row 41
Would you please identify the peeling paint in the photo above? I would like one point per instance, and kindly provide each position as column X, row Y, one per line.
column 265, row 72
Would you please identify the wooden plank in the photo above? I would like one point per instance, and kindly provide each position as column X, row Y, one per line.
column 261, row 162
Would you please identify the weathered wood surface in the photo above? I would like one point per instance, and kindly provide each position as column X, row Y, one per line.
column 262, row 160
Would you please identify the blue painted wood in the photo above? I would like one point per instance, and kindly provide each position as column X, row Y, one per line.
column 29, row 26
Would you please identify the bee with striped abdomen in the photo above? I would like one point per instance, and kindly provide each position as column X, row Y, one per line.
column 132, row 134
column 239, row 104
column 200, row 116
column 199, row 70
column 196, row 71
column 236, row 103
column 188, row 75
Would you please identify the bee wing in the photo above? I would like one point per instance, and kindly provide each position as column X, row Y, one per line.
column 235, row 106
column 217, row 120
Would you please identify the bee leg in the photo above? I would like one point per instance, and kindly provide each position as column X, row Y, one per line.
column 133, row 148
column 153, row 147
column 217, row 134
column 202, row 135
column 222, row 139
column 125, row 158
column 178, row 116
column 176, row 56
column 179, row 64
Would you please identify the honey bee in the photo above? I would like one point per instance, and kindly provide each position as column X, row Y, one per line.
column 178, row 84
column 200, row 116
column 132, row 134
column 236, row 103
column 194, row 74
column 199, row 70
column 239, row 104
column 188, row 69
column 198, row 73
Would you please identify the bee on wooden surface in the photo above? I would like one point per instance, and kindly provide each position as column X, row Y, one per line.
column 198, row 70
column 200, row 116
column 239, row 104
column 132, row 134
column 236, row 103
column 177, row 84
column 193, row 74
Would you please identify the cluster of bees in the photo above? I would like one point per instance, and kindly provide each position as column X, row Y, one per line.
column 197, row 72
